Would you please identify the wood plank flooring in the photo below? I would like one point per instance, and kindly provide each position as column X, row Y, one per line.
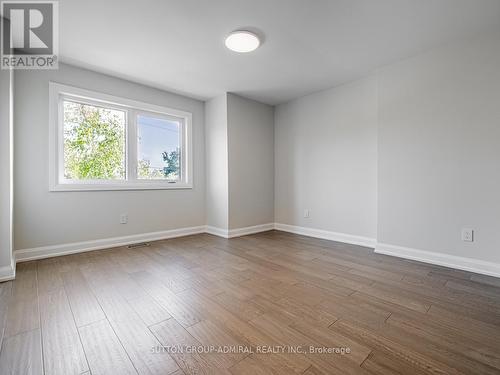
column 275, row 302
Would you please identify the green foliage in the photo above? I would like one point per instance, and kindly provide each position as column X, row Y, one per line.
column 146, row 171
column 94, row 142
column 94, row 146
column 171, row 171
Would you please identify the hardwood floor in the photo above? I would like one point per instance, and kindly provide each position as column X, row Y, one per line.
column 111, row 311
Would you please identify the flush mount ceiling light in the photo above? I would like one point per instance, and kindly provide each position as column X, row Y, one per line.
column 242, row 41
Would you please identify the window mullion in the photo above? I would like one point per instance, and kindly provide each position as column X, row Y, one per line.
column 132, row 144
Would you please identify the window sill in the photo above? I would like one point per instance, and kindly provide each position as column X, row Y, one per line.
column 118, row 187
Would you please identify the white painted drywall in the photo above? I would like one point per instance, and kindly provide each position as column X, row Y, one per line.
column 240, row 162
column 413, row 150
column 308, row 45
column 50, row 218
column 6, row 169
column 217, row 194
column 439, row 150
column 326, row 160
column 251, row 162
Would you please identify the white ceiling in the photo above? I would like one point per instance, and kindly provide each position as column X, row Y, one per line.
column 309, row 45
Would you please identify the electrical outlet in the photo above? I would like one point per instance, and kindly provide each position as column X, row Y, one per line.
column 467, row 234
column 123, row 219
column 307, row 213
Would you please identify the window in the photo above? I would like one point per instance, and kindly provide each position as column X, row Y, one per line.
column 94, row 142
column 159, row 144
column 100, row 142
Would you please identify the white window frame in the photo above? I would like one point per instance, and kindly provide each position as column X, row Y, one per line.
column 58, row 93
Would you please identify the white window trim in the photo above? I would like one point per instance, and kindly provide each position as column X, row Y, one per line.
column 56, row 156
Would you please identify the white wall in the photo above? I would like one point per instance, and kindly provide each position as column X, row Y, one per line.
column 408, row 156
column 217, row 194
column 6, row 173
column 439, row 150
column 326, row 160
column 251, row 162
column 50, row 218
column 240, row 163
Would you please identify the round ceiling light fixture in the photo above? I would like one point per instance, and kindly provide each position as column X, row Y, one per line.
column 242, row 41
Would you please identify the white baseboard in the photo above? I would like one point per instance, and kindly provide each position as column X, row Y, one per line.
column 25, row 255
column 238, row 232
column 446, row 260
column 219, row 232
column 8, row 272
column 79, row 247
column 327, row 235
column 440, row 259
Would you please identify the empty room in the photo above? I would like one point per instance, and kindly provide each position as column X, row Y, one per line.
column 249, row 187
